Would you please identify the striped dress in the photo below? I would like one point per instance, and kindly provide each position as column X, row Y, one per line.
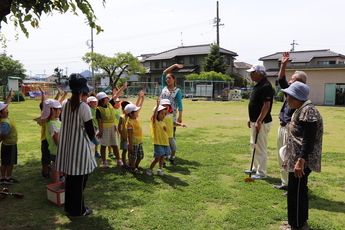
column 74, row 155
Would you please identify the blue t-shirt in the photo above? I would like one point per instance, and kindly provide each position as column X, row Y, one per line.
column 5, row 128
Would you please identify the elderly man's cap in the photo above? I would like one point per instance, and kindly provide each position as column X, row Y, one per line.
column 298, row 90
column 256, row 67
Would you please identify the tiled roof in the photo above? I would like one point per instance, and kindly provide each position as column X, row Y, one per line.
column 187, row 51
column 303, row 56
column 242, row 65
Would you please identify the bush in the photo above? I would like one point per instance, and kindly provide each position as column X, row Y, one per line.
column 246, row 95
column 280, row 96
column 15, row 96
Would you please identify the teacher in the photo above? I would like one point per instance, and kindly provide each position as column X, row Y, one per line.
column 171, row 92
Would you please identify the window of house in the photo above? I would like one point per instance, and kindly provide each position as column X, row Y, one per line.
column 325, row 62
column 192, row 60
column 157, row 65
column 165, row 64
column 180, row 60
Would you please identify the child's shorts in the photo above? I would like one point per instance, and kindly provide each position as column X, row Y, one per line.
column 109, row 137
column 9, row 154
column 52, row 157
column 124, row 145
column 173, row 144
column 138, row 153
column 161, row 150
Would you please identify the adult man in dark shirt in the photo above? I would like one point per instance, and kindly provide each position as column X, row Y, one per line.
column 260, row 119
column 285, row 116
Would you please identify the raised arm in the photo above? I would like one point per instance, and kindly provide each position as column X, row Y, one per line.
column 170, row 68
column 285, row 60
column 9, row 96
column 59, row 93
column 117, row 93
column 140, row 100
column 43, row 97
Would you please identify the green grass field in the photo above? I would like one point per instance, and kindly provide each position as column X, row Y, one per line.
column 205, row 190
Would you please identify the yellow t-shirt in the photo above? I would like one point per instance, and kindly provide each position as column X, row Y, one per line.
column 137, row 131
column 169, row 123
column 159, row 135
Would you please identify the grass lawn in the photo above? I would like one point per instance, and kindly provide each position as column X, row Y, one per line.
column 205, row 190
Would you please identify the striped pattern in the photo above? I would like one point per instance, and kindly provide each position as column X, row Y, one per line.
column 74, row 155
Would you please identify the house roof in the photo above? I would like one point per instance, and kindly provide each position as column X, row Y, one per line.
column 242, row 65
column 303, row 56
column 188, row 51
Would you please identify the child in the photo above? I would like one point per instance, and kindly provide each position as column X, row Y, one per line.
column 107, row 134
column 123, row 131
column 51, row 111
column 9, row 140
column 117, row 107
column 92, row 102
column 169, row 122
column 135, row 136
column 160, row 138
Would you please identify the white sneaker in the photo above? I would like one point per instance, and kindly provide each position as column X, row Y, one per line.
column 149, row 172
column 159, row 172
column 105, row 164
column 119, row 162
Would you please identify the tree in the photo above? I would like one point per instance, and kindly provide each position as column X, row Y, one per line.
column 9, row 67
column 209, row 76
column 114, row 67
column 32, row 10
column 58, row 74
column 214, row 61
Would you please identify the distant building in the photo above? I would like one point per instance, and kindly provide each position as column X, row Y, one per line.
column 325, row 70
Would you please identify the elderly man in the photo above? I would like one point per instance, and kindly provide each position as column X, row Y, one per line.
column 303, row 152
column 285, row 116
column 260, row 119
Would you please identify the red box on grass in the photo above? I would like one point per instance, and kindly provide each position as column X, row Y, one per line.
column 56, row 193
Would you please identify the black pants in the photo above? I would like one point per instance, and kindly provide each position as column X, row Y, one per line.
column 74, row 198
column 297, row 200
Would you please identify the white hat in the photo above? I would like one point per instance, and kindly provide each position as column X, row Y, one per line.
column 130, row 108
column 2, row 105
column 298, row 90
column 47, row 105
column 160, row 107
column 256, row 67
column 101, row 95
column 117, row 99
column 92, row 98
column 165, row 102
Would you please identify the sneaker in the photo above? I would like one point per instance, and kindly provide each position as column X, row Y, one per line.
column 105, row 164
column 258, row 177
column 250, row 172
column 97, row 155
column 119, row 162
column 149, row 172
column 11, row 181
column 139, row 168
column 87, row 212
column 126, row 166
column 282, row 187
column 172, row 161
column 46, row 175
column 159, row 172
column 133, row 171
column 111, row 155
column 2, row 181
column 62, row 179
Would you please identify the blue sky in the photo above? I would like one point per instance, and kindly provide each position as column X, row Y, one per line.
column 252, row 29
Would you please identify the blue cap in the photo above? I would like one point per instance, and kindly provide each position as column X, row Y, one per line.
column 298, row 90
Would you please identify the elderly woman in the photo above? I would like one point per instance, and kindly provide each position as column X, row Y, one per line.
column 74, row 156
column 303, row 152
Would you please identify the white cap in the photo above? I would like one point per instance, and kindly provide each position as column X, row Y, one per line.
column 130, row 108
column 2, row 105
column 165, row 102
column 160, row 107
column 117, row 99
column 256, row 67
column 101, row 95
column 47, row 105
column 92, row 98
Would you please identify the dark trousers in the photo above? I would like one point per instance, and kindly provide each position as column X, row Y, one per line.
column 297, row 200
column 74, row 198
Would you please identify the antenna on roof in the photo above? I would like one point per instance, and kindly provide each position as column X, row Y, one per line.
column 181, row 39
column 293, row 45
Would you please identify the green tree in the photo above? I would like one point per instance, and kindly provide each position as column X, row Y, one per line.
column 30, row 11
column 58, row 74
column 114, row 67
column 214, row 61
column 212, row 75
column 9, row 67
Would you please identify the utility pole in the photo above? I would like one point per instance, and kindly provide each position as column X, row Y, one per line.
column 293, row 45
column 217, row 22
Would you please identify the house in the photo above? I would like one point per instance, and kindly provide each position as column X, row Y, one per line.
column 192, row 57
column 241, row 70
column 325, row 70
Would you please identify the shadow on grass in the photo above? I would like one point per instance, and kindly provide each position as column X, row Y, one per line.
column 321, row 203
